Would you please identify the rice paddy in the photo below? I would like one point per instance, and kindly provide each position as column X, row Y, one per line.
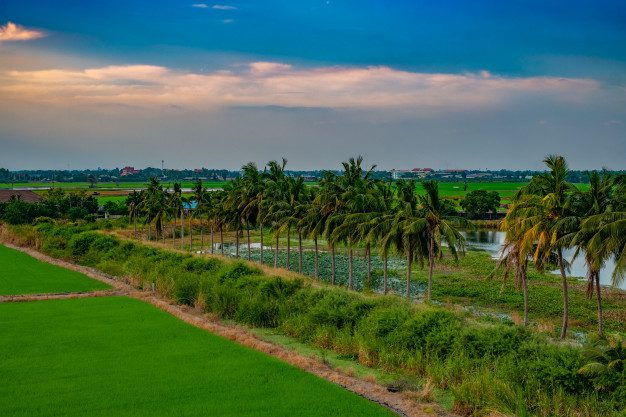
column 22, row 274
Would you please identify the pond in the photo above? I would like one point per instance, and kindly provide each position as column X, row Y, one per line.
column 492, row 242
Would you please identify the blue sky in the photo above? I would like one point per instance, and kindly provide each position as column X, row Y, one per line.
column 471, row 84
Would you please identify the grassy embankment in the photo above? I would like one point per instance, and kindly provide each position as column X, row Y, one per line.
column 486, row 365
column 472, row 282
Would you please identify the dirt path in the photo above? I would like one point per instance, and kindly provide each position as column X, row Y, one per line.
column 402, row 403
column 59, row 296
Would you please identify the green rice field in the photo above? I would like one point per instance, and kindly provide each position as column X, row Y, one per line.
column 22, row 274
column 117, row 356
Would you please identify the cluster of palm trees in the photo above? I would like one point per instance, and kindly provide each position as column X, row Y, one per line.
column 351, row 211
column 346, row 211
column 550, row 215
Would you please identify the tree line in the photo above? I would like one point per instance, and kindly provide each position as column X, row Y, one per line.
column 350, row 209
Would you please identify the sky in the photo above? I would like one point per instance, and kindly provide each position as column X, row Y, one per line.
column 449, row 84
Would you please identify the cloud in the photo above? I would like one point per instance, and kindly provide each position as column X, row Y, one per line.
column 223, row 7
column 279, row 84
column 200, row 5
column 14, row 32
column 227, row 21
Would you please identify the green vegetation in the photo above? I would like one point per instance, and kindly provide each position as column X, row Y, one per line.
column 478, row 203
column 57, row 203
column 22, row 274
column 484, row 364
column 112, row 356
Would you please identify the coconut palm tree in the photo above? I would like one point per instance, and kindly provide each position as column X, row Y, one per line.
column 609, row 240
column 597, row 200
column 403, row 232
column 133, row 202
column 233, row 209
column 202, row 198
column 251, row 199
column 175, row 204
column 219, row 214
column 275, row 203
column 544, row 206
column 378, row 225
column 328, row 200
column 290, row 214
column 155, row 206
column 441, row 225
column 313, row 224
column 352, row 195
column 513, row 256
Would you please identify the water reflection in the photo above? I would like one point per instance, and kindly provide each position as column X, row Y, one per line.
column 492, row 241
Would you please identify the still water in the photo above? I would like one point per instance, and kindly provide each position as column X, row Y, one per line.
column 492, row 242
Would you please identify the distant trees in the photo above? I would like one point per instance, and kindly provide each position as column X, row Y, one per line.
column 477, row 203
column 17, row 211
column 56, row 204
column 92, row 180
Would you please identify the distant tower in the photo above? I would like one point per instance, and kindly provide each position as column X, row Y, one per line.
column 162, row 168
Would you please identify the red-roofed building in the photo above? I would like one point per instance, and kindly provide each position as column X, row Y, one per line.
column 126, row 171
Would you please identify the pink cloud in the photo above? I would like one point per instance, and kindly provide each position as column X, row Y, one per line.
column 14, row 32
column 271, row 83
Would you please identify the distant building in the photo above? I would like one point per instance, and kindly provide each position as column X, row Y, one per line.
column 126, row 171
column 24, row 195
column 415, row 172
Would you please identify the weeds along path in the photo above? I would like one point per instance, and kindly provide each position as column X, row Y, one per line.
column 400, row 403
column 60, row 296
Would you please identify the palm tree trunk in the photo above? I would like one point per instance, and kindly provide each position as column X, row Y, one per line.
column 289, row 248
column 350, row 267
column 565, row 324
column 149, row 231
column 332, row 265
column 409, row 257
column 237, row 243
column 248, row 237
column 201, row 236
column 431, row 265
column 174, row 232
column 261, row 234
column 212, row 240
column 222, row 239
column 300, row 252
column 385, row 275
column 276, row 252
column 599, row 297
column 182, row 230
column 190, row 234
column 135, row 226
column 317, row 265
column 368, row 252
